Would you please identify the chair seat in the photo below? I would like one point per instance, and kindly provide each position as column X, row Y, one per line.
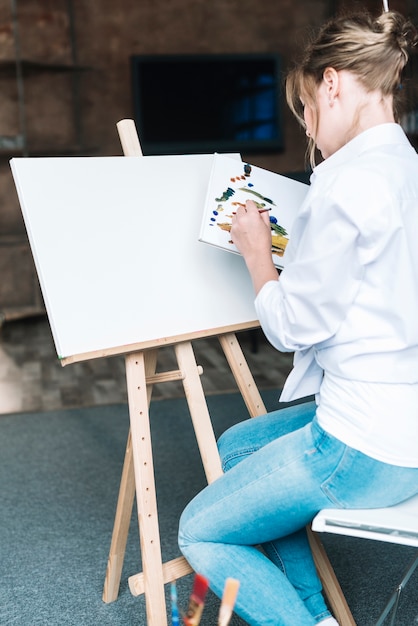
column 395, row 524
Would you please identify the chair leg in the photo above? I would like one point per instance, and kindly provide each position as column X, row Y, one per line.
column 393, row 601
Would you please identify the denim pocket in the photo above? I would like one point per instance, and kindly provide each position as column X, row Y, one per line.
column 359, row 481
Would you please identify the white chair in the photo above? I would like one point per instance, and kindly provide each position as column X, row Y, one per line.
column 396, row 524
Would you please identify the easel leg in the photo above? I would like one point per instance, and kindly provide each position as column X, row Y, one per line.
column 145, row 490
column 199, row 411
column 121, row 527
column 124, row 506
column 330, row 583
column 242, row 374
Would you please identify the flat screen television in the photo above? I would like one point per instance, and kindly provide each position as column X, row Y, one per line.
column 193, row 104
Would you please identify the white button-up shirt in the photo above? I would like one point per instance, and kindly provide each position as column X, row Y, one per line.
column 347, row 300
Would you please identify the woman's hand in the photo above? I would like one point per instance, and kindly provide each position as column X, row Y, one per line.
column 251, row 233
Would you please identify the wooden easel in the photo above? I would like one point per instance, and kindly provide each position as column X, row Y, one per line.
column 138, row 472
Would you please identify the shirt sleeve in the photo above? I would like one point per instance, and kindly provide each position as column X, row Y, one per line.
column 322, row 275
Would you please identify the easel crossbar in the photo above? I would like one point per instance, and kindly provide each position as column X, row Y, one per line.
column 165, row 377
column 172, row 570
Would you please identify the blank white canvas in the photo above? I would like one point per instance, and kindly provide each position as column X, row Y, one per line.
column 115, row 244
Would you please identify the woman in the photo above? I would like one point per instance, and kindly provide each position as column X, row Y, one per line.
column 346, row 304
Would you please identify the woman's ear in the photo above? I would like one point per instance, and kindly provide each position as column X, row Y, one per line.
column 331, row 80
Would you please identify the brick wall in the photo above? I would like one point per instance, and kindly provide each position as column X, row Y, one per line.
column 107, row 33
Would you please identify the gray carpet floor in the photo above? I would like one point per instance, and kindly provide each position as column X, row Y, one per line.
column 59, row 478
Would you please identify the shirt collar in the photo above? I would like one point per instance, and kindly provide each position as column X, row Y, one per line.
column 382, row 134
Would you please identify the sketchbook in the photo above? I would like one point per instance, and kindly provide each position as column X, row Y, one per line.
column 231, row 183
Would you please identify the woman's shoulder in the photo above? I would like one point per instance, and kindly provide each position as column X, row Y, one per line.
column 376, row 181
column 363, row 194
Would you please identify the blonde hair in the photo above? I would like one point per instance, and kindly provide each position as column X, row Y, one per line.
column 375, row 50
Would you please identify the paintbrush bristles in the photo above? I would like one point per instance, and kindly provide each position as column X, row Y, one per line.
column 230, row 592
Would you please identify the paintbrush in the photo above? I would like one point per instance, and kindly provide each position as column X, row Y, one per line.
column 228, row 601
column 196, row 601
column 175, row 618
column 259, row 210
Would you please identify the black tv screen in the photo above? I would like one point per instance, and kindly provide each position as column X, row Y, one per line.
column 192, row 104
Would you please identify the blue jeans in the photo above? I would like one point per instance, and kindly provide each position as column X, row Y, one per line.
column 280, row 470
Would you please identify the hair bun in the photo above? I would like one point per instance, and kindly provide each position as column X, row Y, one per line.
column 401, row 28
